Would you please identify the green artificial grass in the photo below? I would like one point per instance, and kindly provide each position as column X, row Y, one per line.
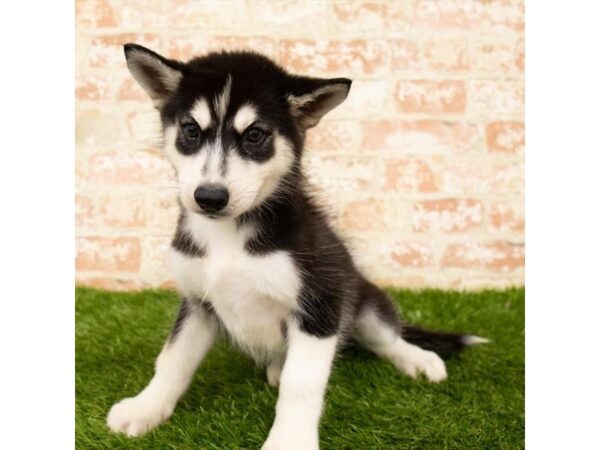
column 369, row 404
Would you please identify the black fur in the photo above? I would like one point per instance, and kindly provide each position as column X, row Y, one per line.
column 183, row 242
column 334, row 293
column 182, row 315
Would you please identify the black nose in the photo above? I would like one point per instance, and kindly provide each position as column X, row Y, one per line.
column 211, row 197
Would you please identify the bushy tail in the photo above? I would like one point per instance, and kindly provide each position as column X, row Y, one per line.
column 441, row 343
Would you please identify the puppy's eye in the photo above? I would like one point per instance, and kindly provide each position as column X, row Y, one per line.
column 191, row 130
column 254, row 135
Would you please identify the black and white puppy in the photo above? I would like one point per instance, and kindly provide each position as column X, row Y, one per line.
column 253, row 255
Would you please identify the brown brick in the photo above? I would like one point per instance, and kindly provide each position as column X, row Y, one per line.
column 410, row 176
column 340, row 135
column 343, row 58
column 505, row 137
column 371, row 16
column 447, row 215
column 107, row 50
column 496, row 255
column 494, row 15
column 508, row 216
column 427, row 96
column 364, row 215
column 407, row 254
column 419, row 136
column 488, row 97
column 110, row 254
column 92, row 88
column 128, row 168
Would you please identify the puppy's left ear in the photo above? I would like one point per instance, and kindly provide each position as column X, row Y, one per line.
column 311, row 98
column 157, row 75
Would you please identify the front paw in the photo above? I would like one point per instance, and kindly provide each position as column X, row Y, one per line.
column 138, row 415
column 291, row 441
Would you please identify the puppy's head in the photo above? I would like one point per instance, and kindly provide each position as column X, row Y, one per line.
column 233, row 123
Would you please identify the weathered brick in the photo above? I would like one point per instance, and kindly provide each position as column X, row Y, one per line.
column 488, row 97
column 494, row 56
column 95, row 128
column 107, row 50
column 445, row 55
column 128, row 168
column 186, row 46
column 84, row 211
column 409, row 176
column 364, row 215
column 427, row 96
column 496, row 255
column 419, row 136
column 482, row 177
column 371, row 16
column 92, row 88
column 342, row 58
column 130, row 90
column 508, row 216
column 110, row 254
column 520, row 55
column 408, row 254
column 366, row 98
column 120, row 211
column 289, row 17
column 336, row 175
column 469, row 15
column 447, row 215
column 342, row 135
column 404, row 55
column 192, row 15
column 505, row 137
column 94, row 14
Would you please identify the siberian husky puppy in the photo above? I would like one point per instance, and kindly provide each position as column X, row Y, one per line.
column 253, row 255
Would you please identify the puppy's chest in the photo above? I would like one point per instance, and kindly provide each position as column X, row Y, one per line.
column 253, row 295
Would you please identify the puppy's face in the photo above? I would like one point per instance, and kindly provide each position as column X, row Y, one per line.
column 233, row 124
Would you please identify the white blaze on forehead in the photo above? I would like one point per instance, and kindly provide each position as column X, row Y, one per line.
column 222, row 100
column 244, row 117
column 201, row 113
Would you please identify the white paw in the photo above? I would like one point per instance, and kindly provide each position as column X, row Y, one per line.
column 138, row 415
column 289, row 443
column 273, row 374
column 416, row 361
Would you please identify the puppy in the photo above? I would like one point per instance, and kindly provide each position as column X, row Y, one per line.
column 253, row 255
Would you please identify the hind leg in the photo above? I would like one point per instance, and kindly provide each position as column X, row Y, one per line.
column 378, row 329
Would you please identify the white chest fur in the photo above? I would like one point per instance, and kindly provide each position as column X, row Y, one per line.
column 252, row 295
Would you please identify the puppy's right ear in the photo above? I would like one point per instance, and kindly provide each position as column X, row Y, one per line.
column 158, row 76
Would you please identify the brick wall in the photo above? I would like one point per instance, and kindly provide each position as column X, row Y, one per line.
column 423, row 164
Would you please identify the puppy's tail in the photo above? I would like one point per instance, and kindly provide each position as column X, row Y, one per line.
column 441, row 343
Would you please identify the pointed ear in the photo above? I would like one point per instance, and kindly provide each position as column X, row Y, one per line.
column 311, row 98
column 158, row 76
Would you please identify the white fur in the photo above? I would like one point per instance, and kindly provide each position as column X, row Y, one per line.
column 244, row 117
column 175, row 368
column 239, row 285
column 201, row 113
column 274, row 374
column 474, row 340
column 222, row 100
column 301, row 392
column 408, row 358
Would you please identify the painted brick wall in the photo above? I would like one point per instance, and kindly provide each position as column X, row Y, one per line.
column 423, row 164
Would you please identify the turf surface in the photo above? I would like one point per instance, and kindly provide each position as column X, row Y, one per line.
column 369, row 404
